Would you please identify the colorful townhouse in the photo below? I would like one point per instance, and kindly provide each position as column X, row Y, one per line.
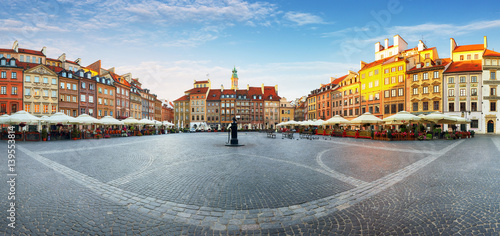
column 11, row 86
column 182, row 112
column 348, row 96
column 323, row 109
column 86, row 93
column 135, row 99
column 40, row 89
column 286, row 111
column 105, row 97
column 462, row 84
column 491, row 96
column 68, row 92
column 213, row 108
column 311, row 105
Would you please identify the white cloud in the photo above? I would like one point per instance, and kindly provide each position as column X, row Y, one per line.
column 303, row 18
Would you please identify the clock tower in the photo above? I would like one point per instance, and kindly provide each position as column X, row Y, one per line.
column 234, row 79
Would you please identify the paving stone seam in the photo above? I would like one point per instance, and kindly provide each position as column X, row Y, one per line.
column 335, row 174
column 278, row 216
column 380, row 148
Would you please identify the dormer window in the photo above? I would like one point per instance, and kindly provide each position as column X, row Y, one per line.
column 88, row 75
column 97, row 79
column 64, row 74
column 81, row 74
column 270, row 97
column 3, row 62
column 12, row 62
column 70, row 75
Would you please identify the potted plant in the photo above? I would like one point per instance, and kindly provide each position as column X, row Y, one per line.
column 44, row 134
column 74, row 134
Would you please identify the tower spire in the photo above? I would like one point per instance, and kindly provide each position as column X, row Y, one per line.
column 234, row 79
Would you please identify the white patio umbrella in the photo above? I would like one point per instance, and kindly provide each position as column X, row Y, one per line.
column 166, row 123
column 130, row 121
column 60, row 118
column 108, row 120
column 402, row 117
column 4, row 119
column 439, row 118
column 85, row 119
column 23, row 117
column 459, row 120
column 336, row 120
column 282, row 123
column 146, row 122
column 366, row 118
column 306, row 123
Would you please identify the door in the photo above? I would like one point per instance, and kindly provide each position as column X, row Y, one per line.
column 491, row 126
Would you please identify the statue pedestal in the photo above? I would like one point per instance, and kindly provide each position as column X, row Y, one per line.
column 234, row 135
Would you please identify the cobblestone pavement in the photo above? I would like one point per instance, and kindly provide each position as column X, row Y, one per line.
column 191, row 184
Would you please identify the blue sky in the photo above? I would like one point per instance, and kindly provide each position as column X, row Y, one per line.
column 295, row 44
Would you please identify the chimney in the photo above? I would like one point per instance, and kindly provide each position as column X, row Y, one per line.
column 15, row 47
column 377, row 46
column 276, row 88
column 386, row 43
column 421, row 45
column 485, row 42
column 44, row 50
column 262, row 88
column 222, row 88
column 362, row 64
column 62, row 58
column 78, row 61
column 453, row 45
column 248, row 87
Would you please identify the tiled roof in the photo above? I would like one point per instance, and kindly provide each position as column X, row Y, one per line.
column 444, row 62
column 472, row 47
column 201, row 82
column 29, row 51
column 338, row 80
column 72, row 62
column 198, row 90
column 270, row 91
column 375, row 63
column 491, row 53
column 254, row 91
column 7, row 50
column 465, row 66
column 213, row 95
column 183, row 98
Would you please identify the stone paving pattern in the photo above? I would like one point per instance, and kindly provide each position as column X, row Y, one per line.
column 191, row 184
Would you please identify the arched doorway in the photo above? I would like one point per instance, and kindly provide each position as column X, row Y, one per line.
column 491, row 127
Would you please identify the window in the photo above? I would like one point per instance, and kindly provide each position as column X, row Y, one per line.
column 82, row 98
column 436, row 88
column 21, row 58
column 99, row 100
column 370, row 98
column 436, row 105
column 4, row 90
column 463, row 93
column 62, row 85
column 28, row 58
column 436, row 74
column 474, row 124
column 451, row 106
column 37, row 79
column 463, row 79
column 400, row 68
column 461, row 57
column 393, row 92
column 386, row 93
column 54, row 81
column 393, row 79
column 68, row 86
column 106, row 91
column 4, row 74
column 13, row 75
column 377, row 96
column 469, row 57
column 54, row 93
column 400, row 92
column 400, row 107
column 386, row 81
column 37, row 108
column 45, row 93
column 473, row 79
column 425, row 76
column 393, row 108
column 473, row 91
column 27, row 78
column 37, row 92
column 462, row 106
column 425, row 90
column 386, row 71
column 83, row 84
column 493, row 75
column 415, row 77
column 451, row 80
column 387, row 109
column 370, row 85
column 14, row 90
column 415, row 91
column 27, row 107
column 473, row 106
column 45, row 108
column 451, row 92
column 110, row 92
column 376, row 84
column 425, row 106
column 400, row 79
